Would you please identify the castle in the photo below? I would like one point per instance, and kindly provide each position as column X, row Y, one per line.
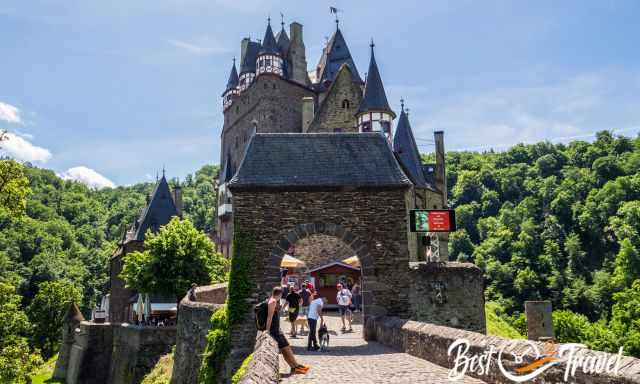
column 275, row 93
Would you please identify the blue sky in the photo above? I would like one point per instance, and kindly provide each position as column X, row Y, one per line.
column 117, row 89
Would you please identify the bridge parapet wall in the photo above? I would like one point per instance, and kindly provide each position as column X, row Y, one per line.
column 194, row 323
column 449, row 294
column 431, row 342
column 264, row 367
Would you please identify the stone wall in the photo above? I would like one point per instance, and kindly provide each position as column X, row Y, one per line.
column 91, row 354
column 318, row 250
column 136, row 350
column 193, row 325
column 432, row 342
column 264, row 367
column 338, row 109
column 275, row 104
column 365, row 220
column 449, row 294
column 120, row 295
column 116, row 353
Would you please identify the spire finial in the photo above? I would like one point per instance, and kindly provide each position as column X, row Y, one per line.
column 162, row 170
column 282, row 20
column 402, row 103
column 269, row 20
column 372, row 44
column 335, row 11
column 407, row 112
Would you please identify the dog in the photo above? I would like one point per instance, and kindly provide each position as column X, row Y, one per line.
column 323, row 335
column 301, row 322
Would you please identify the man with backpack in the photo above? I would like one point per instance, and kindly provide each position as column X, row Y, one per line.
column 268, row 319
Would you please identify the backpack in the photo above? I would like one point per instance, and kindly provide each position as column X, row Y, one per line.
column 261, row 311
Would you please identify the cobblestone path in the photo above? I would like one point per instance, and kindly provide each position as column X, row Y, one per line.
column 351, row 360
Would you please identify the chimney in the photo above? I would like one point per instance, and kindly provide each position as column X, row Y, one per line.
column 297, row 56
column 177, row 199
column 243, row 50
column 441, row 176
column 307, row 113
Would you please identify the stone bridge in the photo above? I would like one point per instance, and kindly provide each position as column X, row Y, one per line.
column 415, row 352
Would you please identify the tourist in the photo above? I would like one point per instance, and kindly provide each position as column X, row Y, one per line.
column 315, row 312
column 293, row 302
column 357, row 297
column 305, row 294
column 344, row 301
column 273, row 325
column 191, row 294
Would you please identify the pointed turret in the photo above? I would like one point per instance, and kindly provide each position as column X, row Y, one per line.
column 232, row 87
column 282, row 41
column 375, row 98
column 269, row 44
column 333, row 56
column 249, row 55
column 374, row 113
column 232, row 83
column 158, row 212
column 269, row 58
column 404, row 145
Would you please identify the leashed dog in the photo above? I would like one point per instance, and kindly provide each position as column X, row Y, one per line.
column 323, row 335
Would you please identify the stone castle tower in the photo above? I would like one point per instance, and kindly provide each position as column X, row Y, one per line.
column 274, row 92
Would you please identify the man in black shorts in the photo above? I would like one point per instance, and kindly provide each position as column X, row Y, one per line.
column 293, row 302
column 344, row 302
column 273, row 327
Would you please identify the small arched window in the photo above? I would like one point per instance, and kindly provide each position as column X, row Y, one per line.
column 346, row 104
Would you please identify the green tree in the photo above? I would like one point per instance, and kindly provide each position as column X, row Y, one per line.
column 624, row 318
column 14, row 187
column 570, row 327
column 627, row 264
column 174, row 258
column 468, row 188
column 460, row 246
column 17, row 360
column 47, row 311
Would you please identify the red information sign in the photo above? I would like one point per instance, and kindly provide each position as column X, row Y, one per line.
column 439, row 221
column 432, row 220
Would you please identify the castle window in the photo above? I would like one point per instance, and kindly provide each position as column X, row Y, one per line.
column 346, row 104
column 266, row 85
column 274, row 85
column 337, row 130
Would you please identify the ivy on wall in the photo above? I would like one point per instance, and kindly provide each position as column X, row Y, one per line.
column 236, row 308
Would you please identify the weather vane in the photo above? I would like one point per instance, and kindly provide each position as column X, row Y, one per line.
column 334, row 11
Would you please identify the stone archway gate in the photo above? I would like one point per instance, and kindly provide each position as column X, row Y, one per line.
column 290, row 186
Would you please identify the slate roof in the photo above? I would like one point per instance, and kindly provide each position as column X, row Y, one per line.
column 375, row 98
column 282, row 41
column 404, row 144
column 228, row 171
column 233, row 77
column 248, row 63
column 333, row 56
column 324, row 161
column 158, row 212
column 269, row 44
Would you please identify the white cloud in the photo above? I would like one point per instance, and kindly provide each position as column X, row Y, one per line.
column 203, row 47
column 9, row 113
column 18, row 147
column 88, row 177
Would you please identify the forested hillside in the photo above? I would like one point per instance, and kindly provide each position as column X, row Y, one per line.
column 56, row 237
column 558, row 222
